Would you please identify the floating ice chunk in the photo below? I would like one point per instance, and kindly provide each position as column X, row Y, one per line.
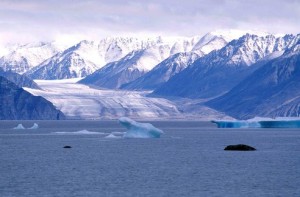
column 112, row 136
column 35, row 126
column 139, row 130
column 259, row 123
column 20, row 126
column 82, row 132
column 280, row 124
column 236, row 124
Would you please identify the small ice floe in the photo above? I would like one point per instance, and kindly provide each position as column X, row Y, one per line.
column 112, row 136
column 20, row 126
column 139, row 130
column 35, row 126
column 81, row 132
column 118, row 133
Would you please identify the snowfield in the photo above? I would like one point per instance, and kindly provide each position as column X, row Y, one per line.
column 79, row 101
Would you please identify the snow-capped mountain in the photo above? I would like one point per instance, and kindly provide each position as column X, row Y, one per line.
column 77, row 61
column 138, row 63
column 216, row 40
column 88, row 56
column 25, row 57
column 271, row 91
column 129, row 68
column 162, row 72
column 219, row 71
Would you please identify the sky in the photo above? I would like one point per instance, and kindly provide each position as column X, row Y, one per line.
column 45, row 20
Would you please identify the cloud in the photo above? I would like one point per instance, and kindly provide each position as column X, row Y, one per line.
column 34, row 19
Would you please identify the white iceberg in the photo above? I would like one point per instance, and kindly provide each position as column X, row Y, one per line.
column 35, row 126
column 139, row 130
column 20, row 126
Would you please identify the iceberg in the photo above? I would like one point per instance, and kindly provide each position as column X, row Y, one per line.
column 20, row 126
column 259, row 123
column 236, row 124
column 112, row 136
column 139, row 130
column 35, row 126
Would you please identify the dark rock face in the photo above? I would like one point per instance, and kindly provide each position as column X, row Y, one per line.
column 239, row 147
column 18, row 104
column 19, row 80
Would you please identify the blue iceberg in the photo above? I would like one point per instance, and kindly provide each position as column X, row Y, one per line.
column 236, row 124
column 259, row 123
column 139, row 130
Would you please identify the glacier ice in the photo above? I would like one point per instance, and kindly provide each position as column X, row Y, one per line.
column 259, row 123
column 139, row 130
column 20, row 126
column 35, row 126
column 236, row 124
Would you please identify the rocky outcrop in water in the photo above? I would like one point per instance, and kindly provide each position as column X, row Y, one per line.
column 239, row 147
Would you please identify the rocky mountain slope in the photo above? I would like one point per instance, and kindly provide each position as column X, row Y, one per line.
column 271, row 91
column 17, row 104
column 162, row 72
column 19, row 80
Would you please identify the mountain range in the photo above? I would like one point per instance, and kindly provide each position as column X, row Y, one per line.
column 224, row 69
column 219, row 71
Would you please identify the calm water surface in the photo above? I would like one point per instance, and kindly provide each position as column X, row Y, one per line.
column 188, row 160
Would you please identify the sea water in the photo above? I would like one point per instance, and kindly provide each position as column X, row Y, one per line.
column 188, row 160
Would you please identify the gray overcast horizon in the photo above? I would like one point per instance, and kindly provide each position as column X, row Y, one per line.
column 36, row 20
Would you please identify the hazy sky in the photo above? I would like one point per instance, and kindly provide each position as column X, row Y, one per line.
column 28, row 20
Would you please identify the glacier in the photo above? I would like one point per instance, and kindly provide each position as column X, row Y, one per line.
column 259, row 123
column 139, row 130
column 78, row 101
